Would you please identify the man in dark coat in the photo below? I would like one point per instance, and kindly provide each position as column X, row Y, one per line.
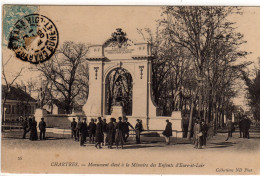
column 126, row 129
column 138, row 129
column 92, row 131
column 110, row 132
column 204, row 130
column 241, row 127
column 229, row 128
column 99, row 133
column 25, row 126
column 42, row 127
column 119, row 133
column 247, row 127
column 74, row 129
column 114, row 133
column 104, row 127
column 83, row 132
column 78, row 129
column 168, row 132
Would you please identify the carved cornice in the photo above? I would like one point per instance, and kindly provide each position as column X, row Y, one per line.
column 96, row 58
column 143, row 57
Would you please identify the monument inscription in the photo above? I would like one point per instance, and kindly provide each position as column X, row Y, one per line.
column 118, row 50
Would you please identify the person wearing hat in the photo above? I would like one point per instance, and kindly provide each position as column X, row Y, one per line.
column 126, row 129
column 25, row 126
column 204, row 130
column 110, row 132
column 119, row 133
column 247, row 127
column 42, row 127
column 229, row 128
column 114, row 133
column 83, row 132
column 74, row 129
column 92, row 131
column 168, row 132
column 138, row 129
column 104, row 126
column 99, row 133
column 197, row 134
column 78, row 128
column 241, row 127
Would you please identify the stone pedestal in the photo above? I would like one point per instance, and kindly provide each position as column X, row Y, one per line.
column 39, row 113
column 177, row 122
column 117, row 111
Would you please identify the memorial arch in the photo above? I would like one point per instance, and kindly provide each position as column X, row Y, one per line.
column 120, row 53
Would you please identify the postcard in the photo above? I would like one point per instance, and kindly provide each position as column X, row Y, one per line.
column 130, row 90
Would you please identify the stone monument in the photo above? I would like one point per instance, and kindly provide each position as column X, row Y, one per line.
column 117, row 108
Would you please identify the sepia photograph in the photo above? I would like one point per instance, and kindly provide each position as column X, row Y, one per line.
column 130, row 90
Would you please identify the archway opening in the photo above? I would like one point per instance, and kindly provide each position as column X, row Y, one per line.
column 119, row 90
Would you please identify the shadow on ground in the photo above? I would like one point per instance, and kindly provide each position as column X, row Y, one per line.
column 221, row 144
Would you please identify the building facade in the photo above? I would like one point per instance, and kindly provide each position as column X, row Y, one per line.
column 16, row 103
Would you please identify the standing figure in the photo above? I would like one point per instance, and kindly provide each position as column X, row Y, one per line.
column 104, row 127
column 33, row 129
column 74, row 129
column 247, row 127
column 168, row 132
column 197, row 134
column 110, row 132
column 204, row 130
column 229, row 128
column 138, row 129
column 83, row 132
column 78, row 129
column 241, row 127
column 99, row 133
column 92, row 131
column 126, row 129
column 25, row 127
column 42, row 127
column 114, row 133
column 119, row 133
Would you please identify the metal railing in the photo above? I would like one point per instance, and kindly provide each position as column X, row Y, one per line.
column 9, row 125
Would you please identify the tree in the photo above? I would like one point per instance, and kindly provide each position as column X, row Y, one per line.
column 67, row 74
column 9, row 83
column 212, row 44
column 196, row 61
column 253, row 89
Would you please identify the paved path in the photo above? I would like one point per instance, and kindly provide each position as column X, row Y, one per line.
column 234, row 153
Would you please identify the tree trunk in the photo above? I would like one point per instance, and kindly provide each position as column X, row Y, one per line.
column 190, row 120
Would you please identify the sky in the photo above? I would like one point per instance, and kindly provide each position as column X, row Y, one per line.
column 95, row 24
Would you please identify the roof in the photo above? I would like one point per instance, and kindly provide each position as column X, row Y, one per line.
column 16, row 94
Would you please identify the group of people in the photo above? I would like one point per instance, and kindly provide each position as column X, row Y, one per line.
column 200, row 131
column 243, row 125
column 31, row 126
column 103, row 133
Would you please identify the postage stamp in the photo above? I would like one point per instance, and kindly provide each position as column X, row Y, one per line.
column 34, row 38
